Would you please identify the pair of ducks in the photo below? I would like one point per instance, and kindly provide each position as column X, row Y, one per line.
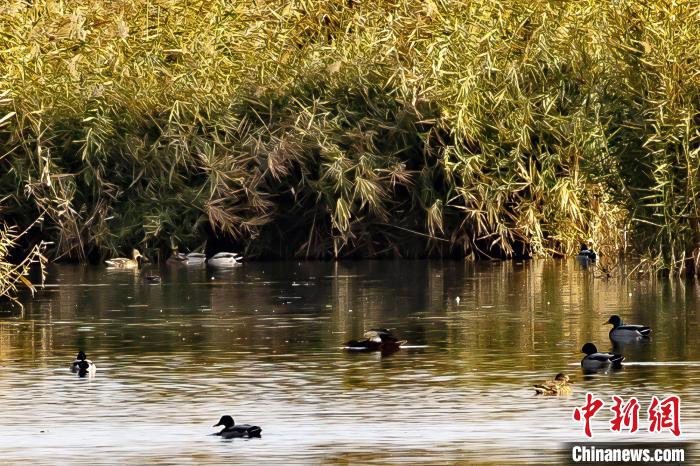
column 595, row 360
column 221, row 259
column 83, row 366
column 619, row 333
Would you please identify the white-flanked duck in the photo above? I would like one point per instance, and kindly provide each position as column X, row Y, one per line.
column 594, row 360
column 126, row 263
column 376, row 339
column 191, row 258
column 82, row 365
column 627, row 332
column 559, row 386
column 231, row 430
column 225, row 259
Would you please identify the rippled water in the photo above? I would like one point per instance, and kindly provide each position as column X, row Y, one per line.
column 263, row 342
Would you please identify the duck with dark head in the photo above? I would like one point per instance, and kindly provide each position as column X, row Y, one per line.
column 231, row 430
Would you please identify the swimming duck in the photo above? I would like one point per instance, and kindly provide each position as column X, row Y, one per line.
column 125, row 263
column 596, row 361
column 82, row 366
column 152, row 278
column 559, row 386
column 225, row 259
column 231, row 430
column 622, row 332
column 376, row 339
column 587, row 253
column 192, row 258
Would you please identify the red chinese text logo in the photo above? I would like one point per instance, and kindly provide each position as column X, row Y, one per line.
column 663, row 415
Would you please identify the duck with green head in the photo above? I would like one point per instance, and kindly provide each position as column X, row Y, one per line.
column 595, row 360
column 621, row 332
column 82, row 365
column 231, row 430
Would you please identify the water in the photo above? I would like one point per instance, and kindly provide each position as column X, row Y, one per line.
column 263, row 342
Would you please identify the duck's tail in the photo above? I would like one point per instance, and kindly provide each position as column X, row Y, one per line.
column 254, row 431
column 540, row 389
column 645, row 331
column 616, row 360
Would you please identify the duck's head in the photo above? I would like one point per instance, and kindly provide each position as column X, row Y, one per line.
column 81, row 356
column 226, row 421
column 584, row 247
column 562, row 378
column 589, row 348
column 615, row 320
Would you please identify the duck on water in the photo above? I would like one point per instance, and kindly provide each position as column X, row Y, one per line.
column 82, row 365
column 597, row 361
column 621, row 332
column 376, row 339
column 231, row 430
column 559, row 386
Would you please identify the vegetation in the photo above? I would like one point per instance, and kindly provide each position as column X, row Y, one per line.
column 14, row 275
column 319, row 128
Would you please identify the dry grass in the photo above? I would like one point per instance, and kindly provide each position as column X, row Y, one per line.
column 324, row 128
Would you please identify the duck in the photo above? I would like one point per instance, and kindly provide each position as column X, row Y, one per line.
column 596, row 361
column 152, row 278
column 231, row 430
column 376, row 339
column 126, row 263
column 82, row 365
column 559, row 386
column 587, row 253
column 191, row 258
column 225, row 259
column 622, row 332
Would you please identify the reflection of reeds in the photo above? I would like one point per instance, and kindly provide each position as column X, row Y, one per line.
column 303, row 128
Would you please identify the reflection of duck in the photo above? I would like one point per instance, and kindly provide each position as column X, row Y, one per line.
column 376, row 339
column 82, row 366
column 596, row 361
column 231, row 430
column 126, row 263
column 225, row 259
column 192, row 258
column 621, row 332
column 587, row 253
column 559, row 386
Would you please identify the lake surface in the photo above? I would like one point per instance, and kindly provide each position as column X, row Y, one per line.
column 263, row 342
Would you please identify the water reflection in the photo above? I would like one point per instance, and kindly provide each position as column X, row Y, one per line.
column 263, row 342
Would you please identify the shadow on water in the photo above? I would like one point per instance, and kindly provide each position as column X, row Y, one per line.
column 263, row 342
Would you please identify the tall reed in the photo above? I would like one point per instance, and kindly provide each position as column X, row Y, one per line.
column 318, row 128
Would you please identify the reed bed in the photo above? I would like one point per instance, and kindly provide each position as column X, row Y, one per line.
column 373, row 128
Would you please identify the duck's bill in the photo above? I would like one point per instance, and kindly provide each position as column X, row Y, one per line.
column 216, row 425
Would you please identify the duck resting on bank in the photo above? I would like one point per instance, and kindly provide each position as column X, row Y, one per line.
column 225, row 259
column 595, row 360
column 191, row 258
column 231, row 430
column 376, row 339
column 126, row 263
column 82, row 365
column 559, row 386
column 626, row 332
